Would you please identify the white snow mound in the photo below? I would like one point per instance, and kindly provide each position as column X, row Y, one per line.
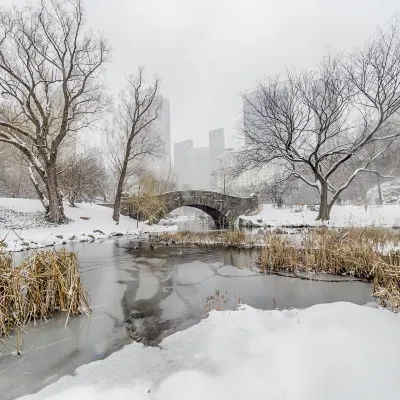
column 331, row 351
column 22, row 225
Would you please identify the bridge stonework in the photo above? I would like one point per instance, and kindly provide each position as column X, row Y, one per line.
column 223, row 209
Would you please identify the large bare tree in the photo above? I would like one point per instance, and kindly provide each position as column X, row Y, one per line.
column 131, row 141
column 318, row 124
column 51, row 86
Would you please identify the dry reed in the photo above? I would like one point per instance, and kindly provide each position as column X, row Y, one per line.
column 39, row 286
column 236, row 239
column 355, row 251
column 346, row 252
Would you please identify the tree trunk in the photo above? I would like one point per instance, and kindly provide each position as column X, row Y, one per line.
column 118, row 196
column 324, row 206
column 43, row 199
column 56, row 207
column 380, row 198
column 120, row 188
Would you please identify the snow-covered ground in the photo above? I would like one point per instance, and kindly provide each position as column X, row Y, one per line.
column 22, row 225
column 329, row 351
column 341, row 216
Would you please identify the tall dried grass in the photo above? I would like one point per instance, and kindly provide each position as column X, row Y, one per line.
column 236, row 239
column 347, row 252
column 39, row 286
column 351, row 251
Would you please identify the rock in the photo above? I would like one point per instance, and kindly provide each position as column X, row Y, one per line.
column 99, row 231
column 91, row 237
column 117, row 234
column 60, row 236
column 73, row 237
column 85, row 218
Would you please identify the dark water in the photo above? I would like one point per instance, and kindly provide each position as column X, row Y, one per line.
column 140, row 293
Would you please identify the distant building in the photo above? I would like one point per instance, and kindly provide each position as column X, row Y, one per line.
column 250, row 180
column 216, row 148
column 201, row 174
column 183, row 163
column 161, row 129
column 248, row 114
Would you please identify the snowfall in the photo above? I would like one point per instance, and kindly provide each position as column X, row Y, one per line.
column 22, row 225
column 329, row 351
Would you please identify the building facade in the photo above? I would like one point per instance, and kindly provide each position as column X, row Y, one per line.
column 161, row 130
column 183, row 163
column 216, row 148
column 201, row 174
column 249, row 180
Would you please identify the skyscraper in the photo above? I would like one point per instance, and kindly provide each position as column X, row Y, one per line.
column 183, row 162
column 217, row 147
column 201, row 174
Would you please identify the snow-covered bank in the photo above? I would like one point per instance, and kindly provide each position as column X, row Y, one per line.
column 341, row 216
column 22, row 225
column 329, row 351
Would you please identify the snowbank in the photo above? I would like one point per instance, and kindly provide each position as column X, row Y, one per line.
column 22, row 226
column 341, row 216
column 329, row 351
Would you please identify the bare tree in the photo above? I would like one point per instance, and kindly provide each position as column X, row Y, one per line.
column 275, row 189
column 82, row 178
column 130, row 141
column 50, row 81
column 316, row 123
column 223, row 179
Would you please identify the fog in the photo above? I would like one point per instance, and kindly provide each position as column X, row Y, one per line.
column 208, row 52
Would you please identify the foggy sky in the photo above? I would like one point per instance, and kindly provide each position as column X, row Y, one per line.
column 207, row 52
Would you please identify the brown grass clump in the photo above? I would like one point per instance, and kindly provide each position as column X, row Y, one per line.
column 215, row 238
column 347, row 252
column 360, row 252
column 35, row 289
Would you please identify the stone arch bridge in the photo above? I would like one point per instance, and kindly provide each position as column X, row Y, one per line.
column 223, row 209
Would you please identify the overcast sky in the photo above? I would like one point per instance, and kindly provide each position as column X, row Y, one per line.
column 207, row 52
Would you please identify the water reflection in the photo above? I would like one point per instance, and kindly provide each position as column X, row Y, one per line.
column 143, row 293
column 170, row 285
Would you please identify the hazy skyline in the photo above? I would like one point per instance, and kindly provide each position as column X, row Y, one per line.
column 208, row 52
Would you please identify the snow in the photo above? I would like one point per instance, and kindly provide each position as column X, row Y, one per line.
column 191, row 273
column 230, row 270
column 172, row 307
column 341, row 216
column 22, row 225
column 329, row 351
column 148, row 284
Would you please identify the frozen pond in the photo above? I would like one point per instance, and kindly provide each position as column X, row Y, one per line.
column 145, row 294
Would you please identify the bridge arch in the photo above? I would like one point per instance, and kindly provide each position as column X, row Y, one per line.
column 223, row 209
